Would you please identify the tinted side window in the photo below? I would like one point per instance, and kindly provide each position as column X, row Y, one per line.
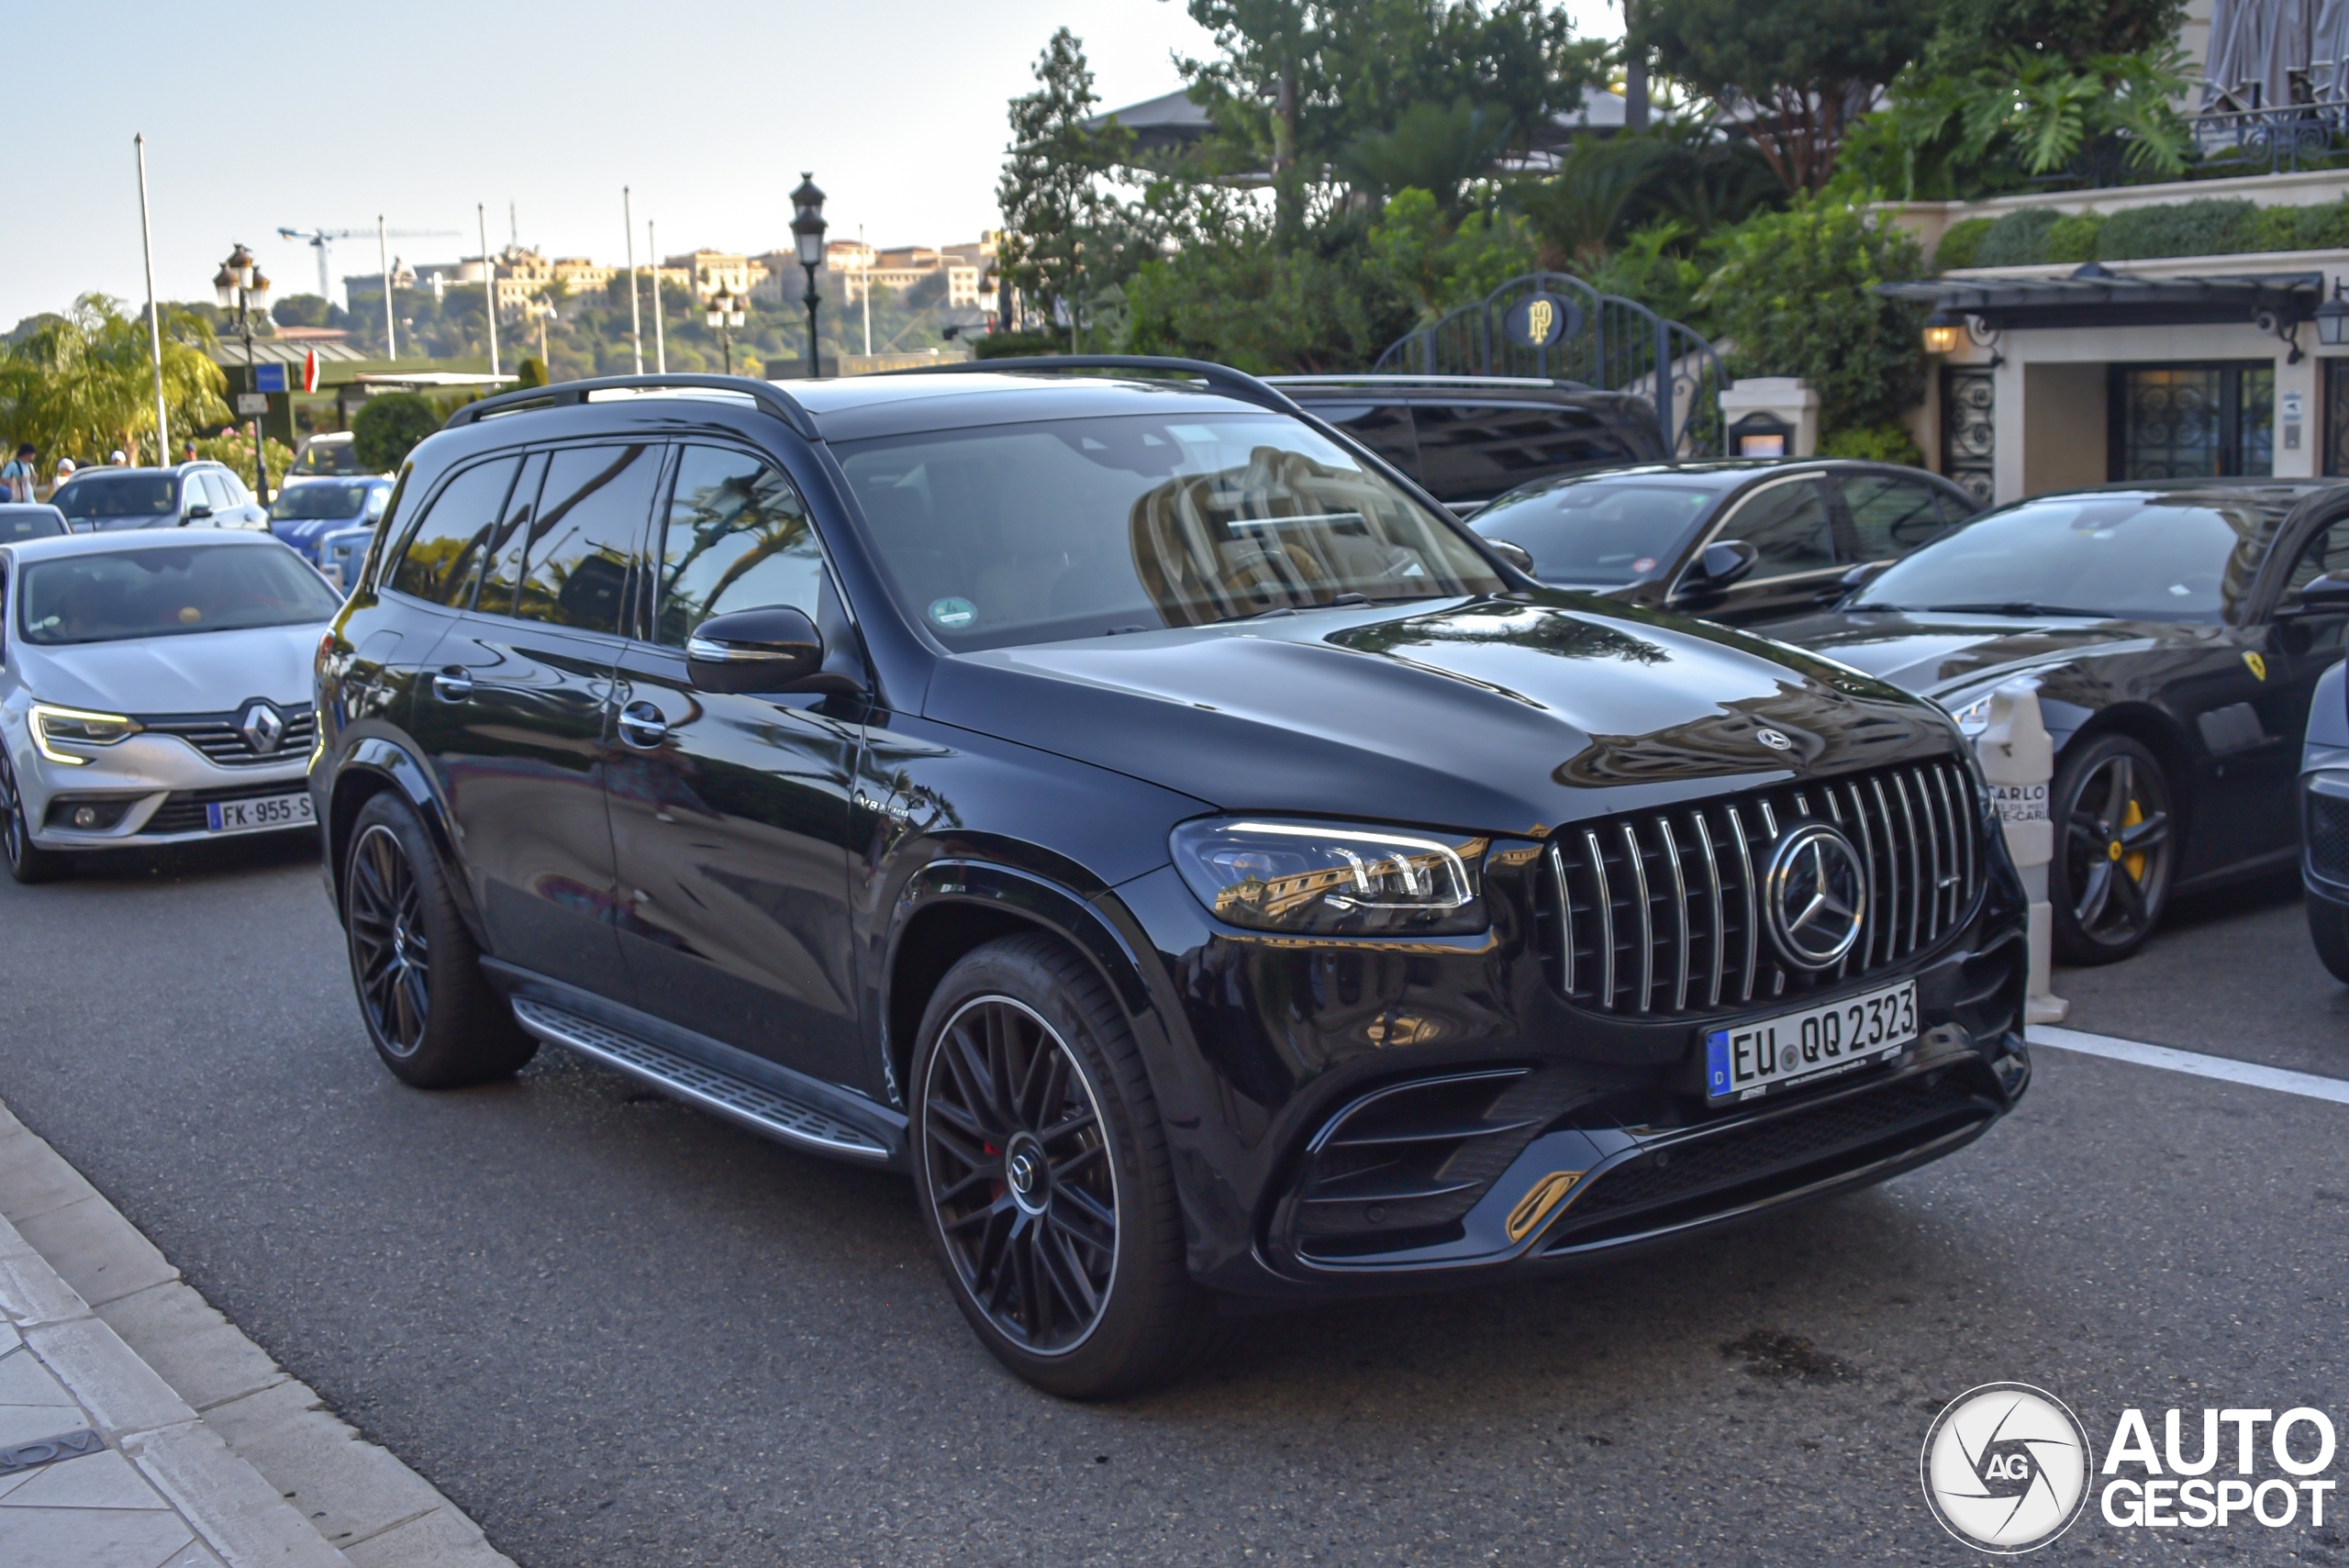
column 1890, row 515
column 592, row 513
column 737, row 539
column 232, row 489
column 1474, row 451
column 511, row 536
column 2326, row 553
column 445, row 551
column 1788, row 524
column 1384, row 427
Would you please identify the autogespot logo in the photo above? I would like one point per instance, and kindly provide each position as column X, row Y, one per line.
column 2006, row 1467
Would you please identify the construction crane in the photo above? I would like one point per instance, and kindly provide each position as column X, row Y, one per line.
column 322, row 241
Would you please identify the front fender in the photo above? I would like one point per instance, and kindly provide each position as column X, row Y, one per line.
column 371, row 763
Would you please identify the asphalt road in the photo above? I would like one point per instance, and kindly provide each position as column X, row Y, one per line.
column 616, row 1331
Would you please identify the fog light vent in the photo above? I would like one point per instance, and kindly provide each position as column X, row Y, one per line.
column 86, row 813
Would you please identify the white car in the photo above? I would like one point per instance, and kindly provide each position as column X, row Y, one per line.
column 153, row 690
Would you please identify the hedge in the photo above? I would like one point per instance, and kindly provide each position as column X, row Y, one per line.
column 2207, row 227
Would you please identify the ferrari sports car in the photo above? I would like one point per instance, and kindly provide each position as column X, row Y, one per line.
column 2176, row 631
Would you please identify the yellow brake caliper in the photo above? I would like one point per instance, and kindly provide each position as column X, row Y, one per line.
column 2134, row 863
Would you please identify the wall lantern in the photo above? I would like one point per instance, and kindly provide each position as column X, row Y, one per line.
column 1942, row 333
column 2333, row 320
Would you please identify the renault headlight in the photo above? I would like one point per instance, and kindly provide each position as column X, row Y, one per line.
column 1334, row 879
column 76, row 727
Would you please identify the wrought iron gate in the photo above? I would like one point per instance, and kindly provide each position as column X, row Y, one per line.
column 1555, row 326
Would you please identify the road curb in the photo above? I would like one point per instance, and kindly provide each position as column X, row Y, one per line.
column 251, row 1458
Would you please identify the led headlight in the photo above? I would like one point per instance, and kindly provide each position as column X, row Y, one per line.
column 76, row 727
column 1334, row 879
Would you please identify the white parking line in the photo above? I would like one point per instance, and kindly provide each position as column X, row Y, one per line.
column 2308, row 1084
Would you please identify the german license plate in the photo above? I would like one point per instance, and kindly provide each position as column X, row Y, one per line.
column 251, row 816
column 1747, row 1060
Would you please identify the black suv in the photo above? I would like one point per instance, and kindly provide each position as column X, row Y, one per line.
column 1468, row 439
column 1154, row 825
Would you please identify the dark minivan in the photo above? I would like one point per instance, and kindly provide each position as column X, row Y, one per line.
column 1152, row 824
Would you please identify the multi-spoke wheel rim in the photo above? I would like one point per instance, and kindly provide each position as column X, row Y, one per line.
column 12, row 816
column 1016, row 1161
column 389, row 955
column 2117, row 850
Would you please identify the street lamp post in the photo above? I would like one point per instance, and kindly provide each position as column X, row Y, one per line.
column 807, row 233
column 726, row 313
column 239, row 287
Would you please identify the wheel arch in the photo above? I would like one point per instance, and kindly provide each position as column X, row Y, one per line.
column 371, row 767
column 951, row 907
column 2162, row 735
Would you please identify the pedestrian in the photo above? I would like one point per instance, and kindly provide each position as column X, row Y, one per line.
column 119, row 457
column 64, row 473
column 18, row 476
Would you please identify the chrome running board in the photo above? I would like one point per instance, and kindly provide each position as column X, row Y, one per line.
column 760, row 1109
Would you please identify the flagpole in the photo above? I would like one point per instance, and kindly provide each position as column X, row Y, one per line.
column 635, row 317
column 154, row 316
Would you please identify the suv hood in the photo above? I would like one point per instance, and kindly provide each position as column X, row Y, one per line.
column 209, row 671
column 1506, row 715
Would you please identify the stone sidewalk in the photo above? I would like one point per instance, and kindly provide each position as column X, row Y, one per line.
column 139, row 1429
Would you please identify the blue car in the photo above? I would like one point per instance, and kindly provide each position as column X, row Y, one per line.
column 306, row 510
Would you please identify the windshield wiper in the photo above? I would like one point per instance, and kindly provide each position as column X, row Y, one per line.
column 2019, row 609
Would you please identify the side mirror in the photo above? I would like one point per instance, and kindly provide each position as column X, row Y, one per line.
column 2327, row 595
column 199, row 513
column 774, row 650
column 1725, row 561
column 1861, row 573
column 1517, row 555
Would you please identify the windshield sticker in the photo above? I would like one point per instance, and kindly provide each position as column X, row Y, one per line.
column 953, row 614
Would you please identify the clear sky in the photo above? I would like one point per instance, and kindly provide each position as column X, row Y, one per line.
column 321, row 115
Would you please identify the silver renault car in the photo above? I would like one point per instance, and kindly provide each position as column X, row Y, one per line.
column 153, row 690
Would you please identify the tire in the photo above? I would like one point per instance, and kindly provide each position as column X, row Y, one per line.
column 1064, row 1250
column 27, row 863
column 433, row 1018
column 2329, row 927
column 2116, row 848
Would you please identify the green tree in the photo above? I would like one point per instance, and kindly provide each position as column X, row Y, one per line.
column 1794, row 72
column 1972, row 30
column 389, row 427
column 82, row 384
column 1063, row 224
column 1438, row 266
column 1795, row 292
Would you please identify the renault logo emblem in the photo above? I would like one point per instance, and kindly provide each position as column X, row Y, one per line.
column 264, row 728
column 1816, row 894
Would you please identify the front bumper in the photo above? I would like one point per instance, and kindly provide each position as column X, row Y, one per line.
column 148, row 790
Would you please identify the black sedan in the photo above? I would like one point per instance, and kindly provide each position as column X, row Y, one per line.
column 2175, row 639
column 1739, row 541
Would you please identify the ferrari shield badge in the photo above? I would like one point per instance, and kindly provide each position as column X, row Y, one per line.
column 2258, row 666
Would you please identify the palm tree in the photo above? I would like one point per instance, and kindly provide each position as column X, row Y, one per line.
column 81, row 384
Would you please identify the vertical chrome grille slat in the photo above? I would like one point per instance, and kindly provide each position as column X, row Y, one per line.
column 1606, row 924
column 1679, row 910
column 1565, row 918
column 1753, row 909
column 1719, row 940
column 1647, row 916
column 1913, row 826
column 1916, row 867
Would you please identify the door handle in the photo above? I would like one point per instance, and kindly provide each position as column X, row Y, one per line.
column 643, row 726
column 452, row 685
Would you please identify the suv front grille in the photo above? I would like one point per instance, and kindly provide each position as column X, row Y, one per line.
column 217, row 735
column 1659, row 913
column 2328, row 837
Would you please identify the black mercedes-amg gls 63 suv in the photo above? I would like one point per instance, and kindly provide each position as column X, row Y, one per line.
column 1121, row 802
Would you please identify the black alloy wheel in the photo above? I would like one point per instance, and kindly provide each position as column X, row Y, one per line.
column 28, row 862
column 1020, row 1174
column 1043, row 1175
column 391, row 955
column 2116, row 839
column 433, row 1018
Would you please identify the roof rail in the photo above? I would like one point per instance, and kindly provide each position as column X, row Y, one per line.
column 765, row 394
column 1222, row 378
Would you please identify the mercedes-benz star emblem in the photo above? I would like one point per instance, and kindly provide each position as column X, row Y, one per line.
column 264, row 728
column 1816, row 892
column 1774, row 739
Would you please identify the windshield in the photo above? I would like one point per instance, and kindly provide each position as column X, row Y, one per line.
column 108, row 497
column 30, row 522
column 324, row 456
column 1077, row 528
column 169, row 590
column 1600, row 532
column 2129, row 557
column 320, row 500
